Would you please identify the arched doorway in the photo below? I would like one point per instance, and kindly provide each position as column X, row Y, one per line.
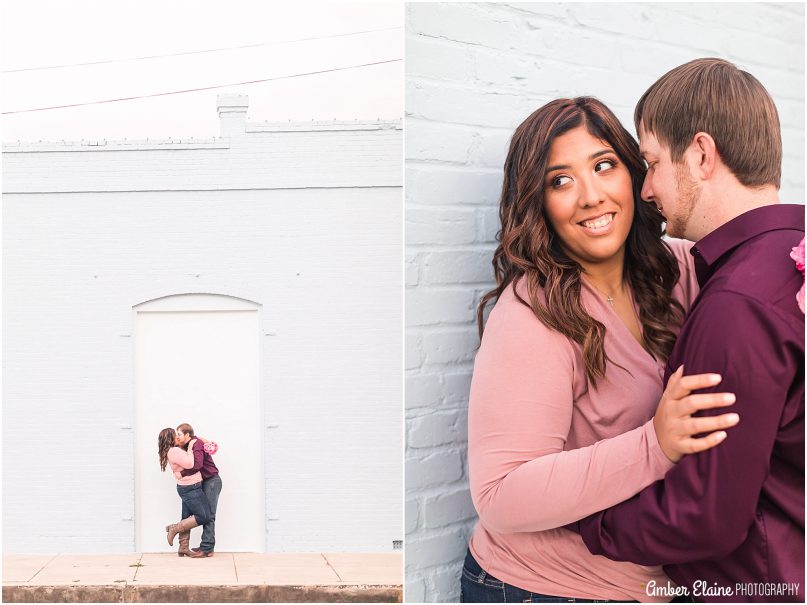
column 197, row 360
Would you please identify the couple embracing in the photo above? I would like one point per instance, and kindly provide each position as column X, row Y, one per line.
column 636, row 417
column 198, row 486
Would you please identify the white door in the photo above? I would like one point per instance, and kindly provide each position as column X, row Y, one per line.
column 197, row 361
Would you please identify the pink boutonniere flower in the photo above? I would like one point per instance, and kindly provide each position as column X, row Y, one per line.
column 797, row 254
column 211, row 447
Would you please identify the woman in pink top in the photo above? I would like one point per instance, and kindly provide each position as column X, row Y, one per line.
column 189, row 489
column 569, row 373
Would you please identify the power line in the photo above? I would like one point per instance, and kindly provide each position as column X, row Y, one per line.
column 177, row 92
column 197, row 52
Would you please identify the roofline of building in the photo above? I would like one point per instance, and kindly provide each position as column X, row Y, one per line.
column 193, row 143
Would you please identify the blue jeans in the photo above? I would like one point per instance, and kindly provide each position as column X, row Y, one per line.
column 212, row 489
column 478, row 586
column 195, row 502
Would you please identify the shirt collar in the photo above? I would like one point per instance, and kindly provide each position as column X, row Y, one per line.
column 710, row 249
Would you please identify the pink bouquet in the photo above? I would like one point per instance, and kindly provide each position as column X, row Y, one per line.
column 211, row 447
column 797, row 254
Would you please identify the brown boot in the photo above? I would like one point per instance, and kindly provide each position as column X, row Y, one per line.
column 175, row 528
column 184, row 543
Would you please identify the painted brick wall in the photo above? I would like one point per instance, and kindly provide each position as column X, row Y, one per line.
column 302, row 218
column 474, row 72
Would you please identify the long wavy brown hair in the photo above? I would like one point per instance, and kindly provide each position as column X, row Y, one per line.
column 165, row 441
column 529, row 249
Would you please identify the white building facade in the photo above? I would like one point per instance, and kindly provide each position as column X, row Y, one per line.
column 249, row 285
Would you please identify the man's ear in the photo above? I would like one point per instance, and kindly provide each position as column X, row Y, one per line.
column 703, row 155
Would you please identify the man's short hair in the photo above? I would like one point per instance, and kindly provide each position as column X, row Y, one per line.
column 715, row 97
column 186, row 428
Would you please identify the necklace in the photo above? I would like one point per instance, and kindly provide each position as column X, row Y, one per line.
column 608, row 297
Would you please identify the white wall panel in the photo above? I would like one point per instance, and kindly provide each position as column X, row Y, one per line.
column 201, row 367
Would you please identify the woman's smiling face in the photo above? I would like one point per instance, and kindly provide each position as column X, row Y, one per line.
column 588, row 197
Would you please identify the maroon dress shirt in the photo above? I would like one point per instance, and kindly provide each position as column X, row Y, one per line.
column 732, row 518
column 202, row 462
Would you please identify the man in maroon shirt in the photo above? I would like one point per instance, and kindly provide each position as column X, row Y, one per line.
column 211, row 485
column 728, row 523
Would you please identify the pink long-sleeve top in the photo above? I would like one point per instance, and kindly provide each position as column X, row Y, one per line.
column 180, row 459
column 546, row 449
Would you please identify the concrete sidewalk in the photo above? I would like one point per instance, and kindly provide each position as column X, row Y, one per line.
column 225, row 577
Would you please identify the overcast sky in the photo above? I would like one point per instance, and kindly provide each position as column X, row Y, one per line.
column 40, row 33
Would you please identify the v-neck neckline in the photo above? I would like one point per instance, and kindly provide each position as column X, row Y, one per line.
column 615, row 318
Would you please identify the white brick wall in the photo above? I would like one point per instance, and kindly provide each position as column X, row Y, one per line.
column 304, row 219
column 474, row 72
